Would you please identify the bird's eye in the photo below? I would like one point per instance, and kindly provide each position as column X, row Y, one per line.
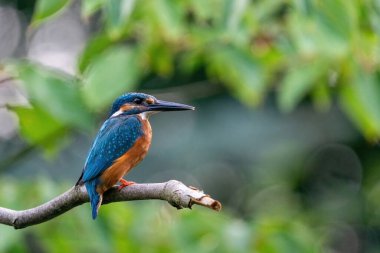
column 137, row 101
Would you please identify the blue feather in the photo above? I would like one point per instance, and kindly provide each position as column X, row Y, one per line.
column 116, row 137
column 95, row 198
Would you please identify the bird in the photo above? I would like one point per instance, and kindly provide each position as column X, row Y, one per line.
column 121, row 143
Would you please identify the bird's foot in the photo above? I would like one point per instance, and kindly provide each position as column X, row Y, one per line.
column 125, row 183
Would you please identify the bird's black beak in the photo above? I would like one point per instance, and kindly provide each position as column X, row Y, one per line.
column 160, row 105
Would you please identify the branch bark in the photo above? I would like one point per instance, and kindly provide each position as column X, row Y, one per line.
column 175, row 192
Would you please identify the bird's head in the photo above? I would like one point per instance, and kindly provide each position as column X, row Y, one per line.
column 136, row 103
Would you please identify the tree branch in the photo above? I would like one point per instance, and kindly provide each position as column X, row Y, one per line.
column 6, row 79
column 175, row 192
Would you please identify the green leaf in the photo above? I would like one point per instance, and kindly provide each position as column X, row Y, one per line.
column 266, row 10
column 338, row 17
column 117, row 14
column 113, row 72
column 47, row 8
column 89, row 7
column 233, row 13
column 191, row 61
column 299, row 81
column 38, row 127
column 55, row 93
column 93, row 48
column 321, row 96
column 326, row 28
column 360, row 99
column 166, row 18
column 208, row 10
column 161, row 59
column 239, row 71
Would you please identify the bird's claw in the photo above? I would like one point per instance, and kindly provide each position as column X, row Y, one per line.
column 124, row 183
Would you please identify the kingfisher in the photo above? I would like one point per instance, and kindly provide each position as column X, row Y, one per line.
column 121, row 143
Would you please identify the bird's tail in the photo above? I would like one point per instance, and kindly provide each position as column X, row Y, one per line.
column 95, row 197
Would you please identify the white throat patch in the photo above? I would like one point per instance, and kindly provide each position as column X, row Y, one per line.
column 117, row 113
column 145, row 115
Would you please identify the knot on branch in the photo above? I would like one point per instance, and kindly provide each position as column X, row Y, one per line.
column 182, row 196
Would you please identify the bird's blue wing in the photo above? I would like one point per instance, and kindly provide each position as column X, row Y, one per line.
column 116, row 136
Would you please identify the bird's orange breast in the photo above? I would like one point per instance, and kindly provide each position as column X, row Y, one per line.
column 126, row 162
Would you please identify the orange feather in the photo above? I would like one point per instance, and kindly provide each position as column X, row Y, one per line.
column 126, row 162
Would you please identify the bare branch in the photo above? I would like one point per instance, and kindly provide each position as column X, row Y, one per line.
column 6, row 79
column 175, row 192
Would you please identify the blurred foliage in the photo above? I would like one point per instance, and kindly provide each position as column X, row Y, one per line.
column 325, row 51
